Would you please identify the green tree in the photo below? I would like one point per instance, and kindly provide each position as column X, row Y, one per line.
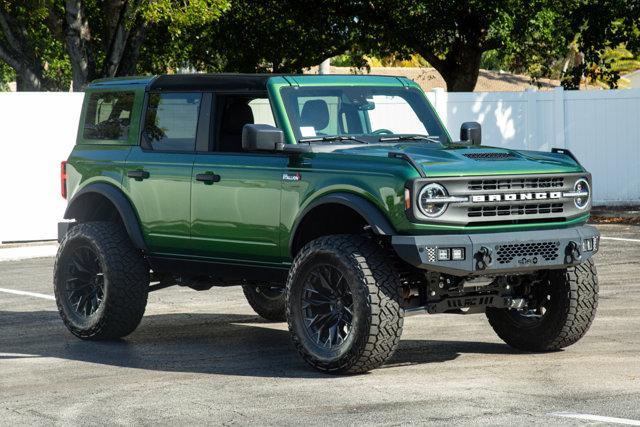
column 452, row 36
column 275, row 36
column 51, row 42
column 30, row 43
column 105, row 38
column 576, row 41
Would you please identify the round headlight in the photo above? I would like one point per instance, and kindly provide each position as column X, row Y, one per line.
column 427, row 203
column 582, row 186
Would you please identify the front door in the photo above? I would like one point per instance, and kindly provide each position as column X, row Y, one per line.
column 158, row 172
column 235, row 196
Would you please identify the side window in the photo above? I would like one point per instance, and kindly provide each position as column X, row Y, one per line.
column 262, row 114
column 108, row 116
column 171, row 121
column 237, row 111
column 389, row 112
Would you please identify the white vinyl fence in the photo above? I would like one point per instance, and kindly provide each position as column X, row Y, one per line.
column 602, row 128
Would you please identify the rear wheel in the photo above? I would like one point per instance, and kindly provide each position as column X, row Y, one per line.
column 100, row 281
column 267, row 301
column 343, row 305
column 562, row 308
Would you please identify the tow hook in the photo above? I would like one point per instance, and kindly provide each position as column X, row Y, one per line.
column 483, row 258
column 572, row 253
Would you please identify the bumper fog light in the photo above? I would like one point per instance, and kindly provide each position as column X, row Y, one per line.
column 444, row 255
column 588, row 244
column 457, row 254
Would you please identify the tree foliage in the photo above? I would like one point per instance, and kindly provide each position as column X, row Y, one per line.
column 574, row 41
column 30, row 43
column 451, row 36
column 49, row 42
column 278, row 36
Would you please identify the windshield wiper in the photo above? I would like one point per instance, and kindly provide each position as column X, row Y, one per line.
column 332, row 139
column 409, row 138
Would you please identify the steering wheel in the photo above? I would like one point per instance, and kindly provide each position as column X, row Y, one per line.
column 382, row 132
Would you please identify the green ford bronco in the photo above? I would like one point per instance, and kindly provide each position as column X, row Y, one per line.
column 339, row 203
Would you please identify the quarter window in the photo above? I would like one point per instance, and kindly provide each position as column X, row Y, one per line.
column 108, row 116
column 171, row 122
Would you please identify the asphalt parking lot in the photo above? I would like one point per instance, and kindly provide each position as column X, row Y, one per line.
column 204, row 357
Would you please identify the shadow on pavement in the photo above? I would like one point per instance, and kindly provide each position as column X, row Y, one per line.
column 225, row 344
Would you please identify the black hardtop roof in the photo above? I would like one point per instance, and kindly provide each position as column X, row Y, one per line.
column 248, row 82
column 230, row 82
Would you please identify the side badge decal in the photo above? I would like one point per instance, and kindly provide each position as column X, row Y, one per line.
column 291, row 176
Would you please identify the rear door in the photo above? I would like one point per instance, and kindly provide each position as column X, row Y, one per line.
column 158, row 171
column 235, row 205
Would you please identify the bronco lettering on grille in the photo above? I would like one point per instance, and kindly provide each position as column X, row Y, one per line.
column 512, row 197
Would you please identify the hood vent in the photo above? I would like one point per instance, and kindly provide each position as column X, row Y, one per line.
column 490, row 156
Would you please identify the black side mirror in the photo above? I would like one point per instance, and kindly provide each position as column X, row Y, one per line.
column 471, row 132
column 261, row 138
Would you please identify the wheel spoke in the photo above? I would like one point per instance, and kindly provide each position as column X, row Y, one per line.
column 327, row 306
column 84, row 281
column 319, row 300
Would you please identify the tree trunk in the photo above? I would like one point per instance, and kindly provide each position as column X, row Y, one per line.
column 460, row 68
column 129, row 62
column 16, row 52
column 78, row 38
column 27, row 81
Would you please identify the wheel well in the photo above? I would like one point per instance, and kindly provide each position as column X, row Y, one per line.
column 329, row 218
column 93, row 207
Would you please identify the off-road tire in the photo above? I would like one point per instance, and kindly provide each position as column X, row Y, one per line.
column 377, row 315
column 271, row 308
column 126, row 282
column 574, row 301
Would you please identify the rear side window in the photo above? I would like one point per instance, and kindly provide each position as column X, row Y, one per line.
column 171, row 122
column 108, row 116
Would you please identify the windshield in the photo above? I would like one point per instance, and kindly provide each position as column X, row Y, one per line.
column 369, row 113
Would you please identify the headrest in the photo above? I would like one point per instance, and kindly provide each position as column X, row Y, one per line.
column 236, row 115
column 315, row 113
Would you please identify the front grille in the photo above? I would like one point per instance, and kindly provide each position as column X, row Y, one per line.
column 515, row 183
column 547, row 250
column 506, row 210
column 490, row 156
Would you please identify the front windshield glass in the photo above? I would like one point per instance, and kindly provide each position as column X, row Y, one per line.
column 369, row 113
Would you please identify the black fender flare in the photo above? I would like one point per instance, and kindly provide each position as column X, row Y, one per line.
column 122, row 204
column 371, row 213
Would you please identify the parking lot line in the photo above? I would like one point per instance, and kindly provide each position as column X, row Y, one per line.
column 622, row 239
column 600, row 418
column 29, row 294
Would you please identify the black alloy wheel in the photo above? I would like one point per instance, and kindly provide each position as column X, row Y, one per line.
column 343, row 304
column 327, row 305
column 100, row 281
column 84, row 281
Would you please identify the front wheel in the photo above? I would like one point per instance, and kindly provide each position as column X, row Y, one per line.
column 343, row 305
column 563, row 307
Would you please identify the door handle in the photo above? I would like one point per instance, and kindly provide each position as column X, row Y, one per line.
column 138, row 175
column 208, row 177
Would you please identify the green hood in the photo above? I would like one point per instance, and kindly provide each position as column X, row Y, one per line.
column 461, row 160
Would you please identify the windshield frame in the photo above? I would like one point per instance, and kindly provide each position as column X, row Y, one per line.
column 414, row 97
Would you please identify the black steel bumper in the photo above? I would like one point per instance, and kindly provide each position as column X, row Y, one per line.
column 500, row 253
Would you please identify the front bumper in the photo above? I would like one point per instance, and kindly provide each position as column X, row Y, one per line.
column 501, row 253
